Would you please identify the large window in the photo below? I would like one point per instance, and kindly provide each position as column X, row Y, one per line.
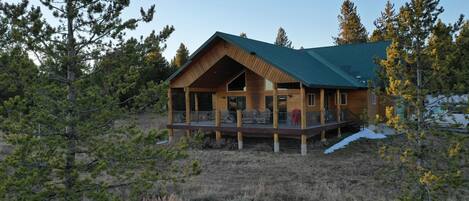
column 238, row 83
column 311, row 99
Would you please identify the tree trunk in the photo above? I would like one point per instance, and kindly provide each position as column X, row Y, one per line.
column 69, row 177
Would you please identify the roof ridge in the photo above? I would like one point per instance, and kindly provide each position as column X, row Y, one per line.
column 334, row 68
column 219, row 32
column 346, row 45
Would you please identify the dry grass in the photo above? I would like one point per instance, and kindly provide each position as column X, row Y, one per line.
column 256, row 173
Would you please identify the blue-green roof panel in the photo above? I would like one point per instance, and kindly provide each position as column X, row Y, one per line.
column 335, row 66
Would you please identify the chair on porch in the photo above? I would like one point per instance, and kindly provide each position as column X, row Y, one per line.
column 227, row 117
column 248, row 116
column 263, row 117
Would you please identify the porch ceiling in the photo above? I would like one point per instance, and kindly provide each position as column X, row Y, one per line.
column 223, row 70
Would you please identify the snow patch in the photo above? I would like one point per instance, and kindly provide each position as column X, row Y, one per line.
column 365, row 133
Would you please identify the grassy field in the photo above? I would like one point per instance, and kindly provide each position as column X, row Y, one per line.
column 256, row 173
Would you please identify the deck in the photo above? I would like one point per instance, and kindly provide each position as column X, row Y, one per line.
column 263, row 130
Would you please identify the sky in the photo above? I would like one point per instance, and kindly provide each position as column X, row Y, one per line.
column 308, row 23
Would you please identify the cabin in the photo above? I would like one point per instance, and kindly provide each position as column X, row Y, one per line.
column 247, row 88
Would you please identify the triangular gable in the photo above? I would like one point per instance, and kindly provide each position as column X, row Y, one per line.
column 215, row 51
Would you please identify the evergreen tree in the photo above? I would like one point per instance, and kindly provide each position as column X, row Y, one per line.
column 17, row 71
column 461, row 60
column 71, row 138
column 282, row 39
column 418, row 65
column 385, row 24
column 351, row 29
column 181, row 57
column 244, row 35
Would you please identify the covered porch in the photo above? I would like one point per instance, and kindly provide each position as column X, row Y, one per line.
column 231, row 98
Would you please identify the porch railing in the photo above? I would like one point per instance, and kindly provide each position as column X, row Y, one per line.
column 289, row 119
column 330, row 116
column 313, row 118
column 255, row 117
column 228, row 117
column 205, row 117
column 179, row 116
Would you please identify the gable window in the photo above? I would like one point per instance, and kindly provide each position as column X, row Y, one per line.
column 311, row 99
column 269, row 86
column 373, row 98
column 238, row 83
column 343, row 98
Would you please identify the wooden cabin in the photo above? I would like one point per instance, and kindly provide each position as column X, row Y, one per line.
column 239, row 86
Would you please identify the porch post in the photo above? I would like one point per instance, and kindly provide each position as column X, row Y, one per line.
column 196, row 106
column 337, row 98
column 303, row 120
column 275, row 117
column 188, row 108
column 323, row 117
column 217, row 121
column 239, row 124
column 303, row 145
column 170, row 116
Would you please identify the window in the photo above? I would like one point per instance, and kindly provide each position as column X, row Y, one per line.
column 311, row 99
column 238, row 83
column 373, row 98
column 268, row 85
column 343, row 98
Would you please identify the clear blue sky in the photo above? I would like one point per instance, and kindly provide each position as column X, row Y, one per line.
column 308, row 23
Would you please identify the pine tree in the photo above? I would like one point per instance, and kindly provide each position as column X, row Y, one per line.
column 72, row 140
column 282, row 39
column 181, row 57
column 17, row 71
column 351, row 29
column 385, row 24
column 461, row 63
column 244, row 35
column 419, row 65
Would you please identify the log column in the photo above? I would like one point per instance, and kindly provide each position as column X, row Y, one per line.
column 337, row 98
column 275, row 117
column 323, row 114
column 170, row 116
column 188, row 108
column 217, row 121
column 303, row 120
column 239, row 124
column 196, row 106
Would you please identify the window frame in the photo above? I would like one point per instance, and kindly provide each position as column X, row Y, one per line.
column 234, row 78
column 346, row 98
column 373, row 98
column 309, row 95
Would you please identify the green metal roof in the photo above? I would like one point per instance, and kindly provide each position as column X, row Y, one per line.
column 346, row 66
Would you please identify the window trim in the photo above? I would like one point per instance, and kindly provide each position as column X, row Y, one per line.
column 314, row 99
column 374, row 98
column 265, row 85
column 234, row 78
column 346, row 98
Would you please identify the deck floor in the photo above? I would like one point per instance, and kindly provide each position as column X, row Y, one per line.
column 287, row 130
